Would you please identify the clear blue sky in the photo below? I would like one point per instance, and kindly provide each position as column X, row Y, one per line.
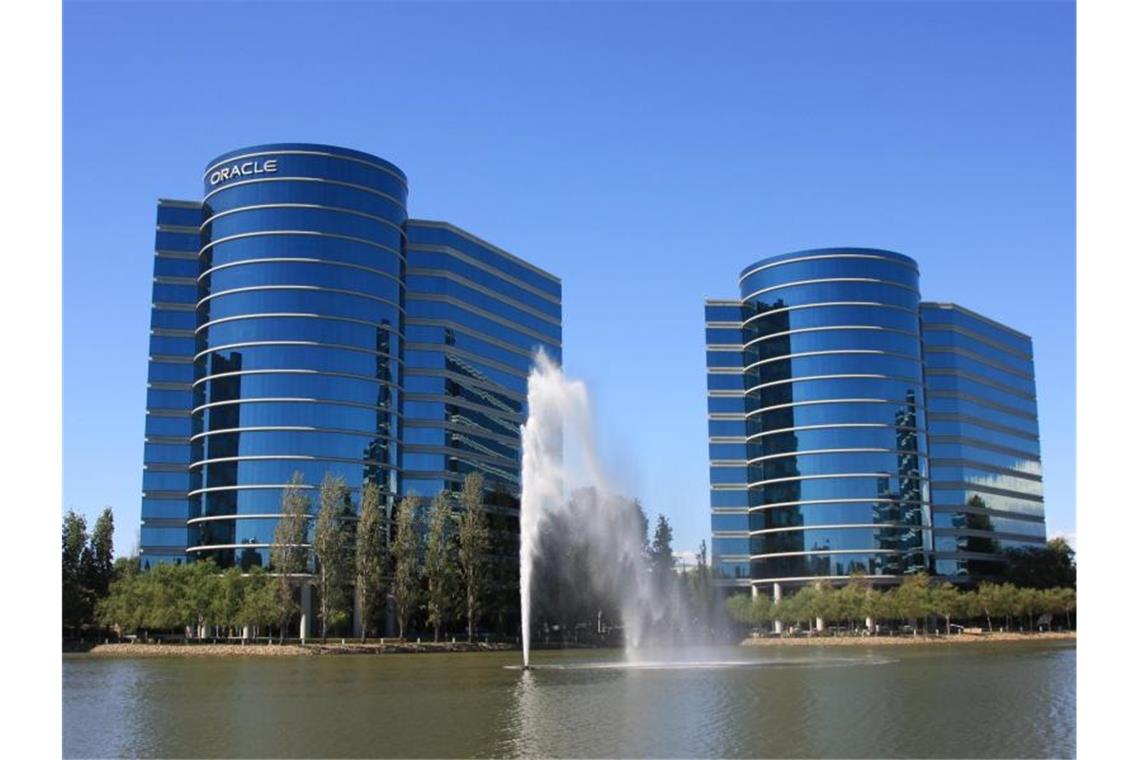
column 643, row 152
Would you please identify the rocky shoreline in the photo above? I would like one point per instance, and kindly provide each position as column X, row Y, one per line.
column 905, row 639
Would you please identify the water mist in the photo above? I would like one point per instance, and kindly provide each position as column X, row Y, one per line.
column 582, row 540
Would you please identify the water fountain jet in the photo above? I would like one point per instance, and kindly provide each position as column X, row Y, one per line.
column 583, row 539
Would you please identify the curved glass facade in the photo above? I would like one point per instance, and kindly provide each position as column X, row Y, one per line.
column 826, row 458
column 298, row 337
column 303, row 323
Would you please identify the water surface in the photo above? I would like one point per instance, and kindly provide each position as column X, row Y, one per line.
column 978, row 700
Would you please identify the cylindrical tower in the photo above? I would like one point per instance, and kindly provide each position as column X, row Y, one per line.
column 299, row 331
column 834, row 415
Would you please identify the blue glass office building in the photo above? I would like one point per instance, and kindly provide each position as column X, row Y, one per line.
column 302, row 322
column 855, row 429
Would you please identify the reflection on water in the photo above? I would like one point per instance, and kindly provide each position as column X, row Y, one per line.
column 977, row 701
column 696, row 664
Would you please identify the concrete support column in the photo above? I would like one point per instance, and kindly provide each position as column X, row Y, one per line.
column 819, row 624
column 870, row 624
column 306, row 609
column 776, row 596
column 755, row 591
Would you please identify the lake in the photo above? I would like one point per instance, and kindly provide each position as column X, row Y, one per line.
column 976, row 700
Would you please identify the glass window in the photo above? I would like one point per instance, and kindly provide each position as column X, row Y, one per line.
column 727, row 428
column 329, row 358
column 426, row 234
column 167, row 345
column 168, row 266
column 839, row 388
column 728, row 451
column 869, row 487
column 165, row 508
column 888, row 293
column 172, row 293
column 309, row 274
column 311, row 192
column 839, row 539
column 733, row 498
column 171, row 319
column 723, row 335
column 509, row 331
column 836, row 565
column 297, row 413
column 446, row 261
column 982, row 499
column 162, row 536
column 932, row 315
column 379, row 230
column 722, row 546
column 817, row 315
column 167, row 426
column 884, row 512
column 948, row 380
column 729, row 523
column 726, row 382
column 724, row 359
column 295, row 168
column 862, row 266
column 297, row 300
column 295, row 245
column 728, row 474
column 157, row 480
column 179, row 216
column 165, row 240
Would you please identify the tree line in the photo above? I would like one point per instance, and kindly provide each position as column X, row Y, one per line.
column 88, row 567
column 915, row 599
column 433, row 560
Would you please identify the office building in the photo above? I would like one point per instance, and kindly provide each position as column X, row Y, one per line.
column 855, row 429
column 302, row 322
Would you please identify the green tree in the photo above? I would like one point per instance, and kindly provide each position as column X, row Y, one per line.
column 474, row 541
column 793, row 608
column 945, row 601
column 1047, row 567
column 818, row 602
column 125, row 604
column 76, row 602
column 330, row 545
column 879, row 605
column 912, row 599
column 260, row 606
column 1006, row 603
column 163, row 597
column 989, row 601
column 289, row 556
column 969, row 605
column 1030, row 603
column 439, row 564
column 739, row 608
column 230, row 601
column 1065, row 600
column 197, row 591
column 701, row 596
column 406, row 560
column 763, row 610
column 661, row 550
column 98, row 562
column 850, row 602
column 371, row 555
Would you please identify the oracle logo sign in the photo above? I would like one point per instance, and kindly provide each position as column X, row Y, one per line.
column 243, row 169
